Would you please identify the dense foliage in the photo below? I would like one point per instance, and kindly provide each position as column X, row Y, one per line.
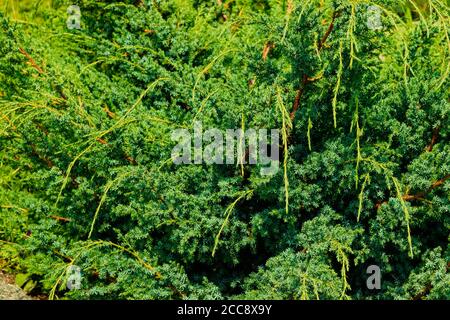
column 86, row 176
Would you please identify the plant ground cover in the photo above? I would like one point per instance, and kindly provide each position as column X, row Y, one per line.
column 87, row 179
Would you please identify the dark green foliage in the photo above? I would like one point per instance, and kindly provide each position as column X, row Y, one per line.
column 86, row 176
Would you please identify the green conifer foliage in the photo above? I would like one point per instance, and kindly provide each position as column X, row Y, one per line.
column 87, row 179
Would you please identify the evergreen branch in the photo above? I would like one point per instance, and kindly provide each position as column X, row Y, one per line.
column 228, row 212
column 421, row 195
column 329, row 30
column 434, row 138
column 305, row 79
column 406, row 212
column 427, row 288
column 300, row 91
column 31, row 61
column 267, row 47
column 58, row 218
column 417, row 196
